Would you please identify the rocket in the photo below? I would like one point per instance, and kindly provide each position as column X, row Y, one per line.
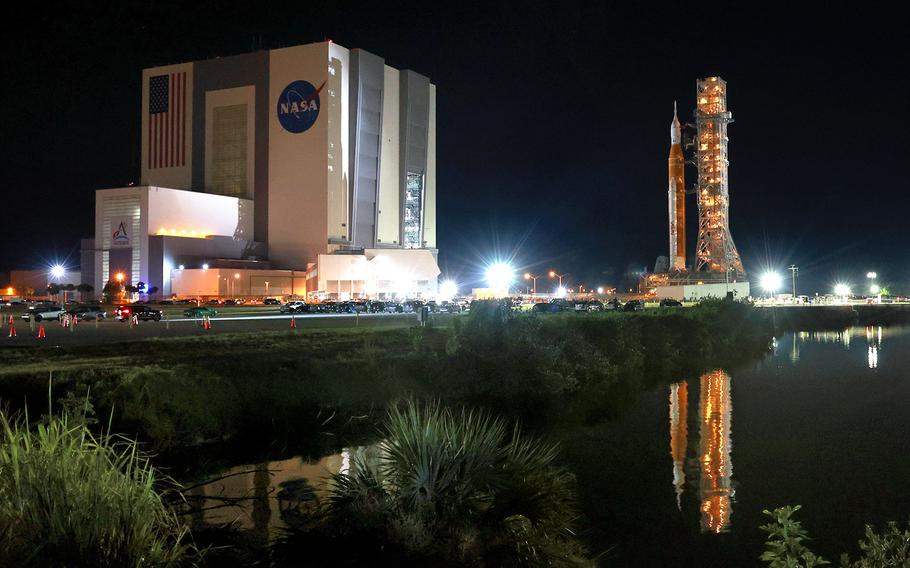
column 676, row 196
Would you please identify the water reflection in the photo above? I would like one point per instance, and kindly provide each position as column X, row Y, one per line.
column 715, row 411
column 679, row 435
column 874, row 337
column 715, row 485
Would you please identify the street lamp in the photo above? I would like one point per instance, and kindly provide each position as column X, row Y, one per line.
column 500, row 276
column 448, row 289
column 770, row 282
column 553, row 274
column 266, row 288
column 841, row 289
column 533, row 278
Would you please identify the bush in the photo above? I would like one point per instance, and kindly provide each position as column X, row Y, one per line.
column 785, row 548
column 451, row 487
column 70, row 499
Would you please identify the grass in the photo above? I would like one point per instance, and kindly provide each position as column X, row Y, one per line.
column 68, row 498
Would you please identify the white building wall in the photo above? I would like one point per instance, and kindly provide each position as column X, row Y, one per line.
column 178, row 177
column 696, row 292
column 182, row 212
column 336, row 103
column 298, row 163
column 429, row 205
column 388, row 223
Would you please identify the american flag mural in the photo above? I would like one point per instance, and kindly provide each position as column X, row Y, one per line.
column 167, row 121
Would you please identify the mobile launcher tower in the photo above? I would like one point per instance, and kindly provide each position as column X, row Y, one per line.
column 717, row 262
column 715, row 251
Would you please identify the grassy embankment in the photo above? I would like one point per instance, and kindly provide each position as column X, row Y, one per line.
column 309, row 392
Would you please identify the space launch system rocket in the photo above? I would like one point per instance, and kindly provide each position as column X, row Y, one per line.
column 677, row 196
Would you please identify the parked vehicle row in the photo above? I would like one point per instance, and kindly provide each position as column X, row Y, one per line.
column 370, row 307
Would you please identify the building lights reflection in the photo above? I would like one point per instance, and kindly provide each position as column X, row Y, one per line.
column 679, row 435
column 715, row 421
column 873, row 342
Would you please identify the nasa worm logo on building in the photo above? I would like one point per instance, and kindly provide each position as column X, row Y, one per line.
column 120, row 237
column 298, row 106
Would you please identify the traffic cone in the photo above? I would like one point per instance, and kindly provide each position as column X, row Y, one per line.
column 208, row 322
column 293, row 322
column 12, row 328
column 41, row 331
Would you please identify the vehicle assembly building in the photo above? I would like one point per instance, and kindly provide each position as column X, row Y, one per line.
column 304, row 170
column 717, row 269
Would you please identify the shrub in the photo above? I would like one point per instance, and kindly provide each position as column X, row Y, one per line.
column 785, row 548
column 70, row 499
column 455, row 487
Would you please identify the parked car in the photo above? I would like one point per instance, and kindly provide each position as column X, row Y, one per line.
column 43, row 312
column 199, row 312
column 613, row 304
column 166, row 302
column 271, row 302
column 547, row 308
column 633, row 306
column 88, row 312
column 141, row 311
column 293, row 307
column 670, row 303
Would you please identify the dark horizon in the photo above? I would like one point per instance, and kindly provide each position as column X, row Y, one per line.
column 553, row 126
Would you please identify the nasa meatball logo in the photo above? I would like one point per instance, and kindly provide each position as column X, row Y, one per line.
column 298, row 106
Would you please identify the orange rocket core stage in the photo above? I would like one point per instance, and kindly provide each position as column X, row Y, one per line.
column 677, row 196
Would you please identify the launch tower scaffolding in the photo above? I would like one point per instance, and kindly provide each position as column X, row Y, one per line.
column 715, row 251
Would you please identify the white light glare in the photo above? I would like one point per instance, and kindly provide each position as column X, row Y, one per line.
column 448, row 289
column 875, row 289
column 57, row 271
column 600, row 289
column 841, row 290
column 500, row 276
column 871, row 275
column 771, row 282
column 205, row 266
column 561, row 292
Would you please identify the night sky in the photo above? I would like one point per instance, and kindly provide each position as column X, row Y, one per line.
column 553, row 124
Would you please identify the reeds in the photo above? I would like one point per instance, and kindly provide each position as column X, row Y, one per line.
column 68, row 498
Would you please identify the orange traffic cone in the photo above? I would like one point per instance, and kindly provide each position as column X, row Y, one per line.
column 12, row 328
column 41, row 331
column 293, row 323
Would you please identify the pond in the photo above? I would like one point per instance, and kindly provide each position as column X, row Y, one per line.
column 681, row 477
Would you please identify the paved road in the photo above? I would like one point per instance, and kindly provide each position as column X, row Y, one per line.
column 111, row 330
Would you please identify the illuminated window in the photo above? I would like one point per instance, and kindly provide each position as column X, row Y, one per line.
column 413, row 208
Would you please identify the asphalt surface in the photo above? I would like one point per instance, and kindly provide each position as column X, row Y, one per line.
column 112, row 331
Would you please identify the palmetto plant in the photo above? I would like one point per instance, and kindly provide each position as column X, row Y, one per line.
column 68, row 498
column 461, row 484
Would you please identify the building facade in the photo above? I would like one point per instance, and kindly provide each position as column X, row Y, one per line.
column 316, row 150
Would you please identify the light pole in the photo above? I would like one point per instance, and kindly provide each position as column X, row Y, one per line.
column 794, row 270
column 533, row 279
column 266, row 288
column 553, row 274
column 57, row 272
column 233, row 284
column 119, row 278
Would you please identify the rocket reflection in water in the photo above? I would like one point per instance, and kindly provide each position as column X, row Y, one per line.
column 679, row 435
column 715, row 419
column 716, row 468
